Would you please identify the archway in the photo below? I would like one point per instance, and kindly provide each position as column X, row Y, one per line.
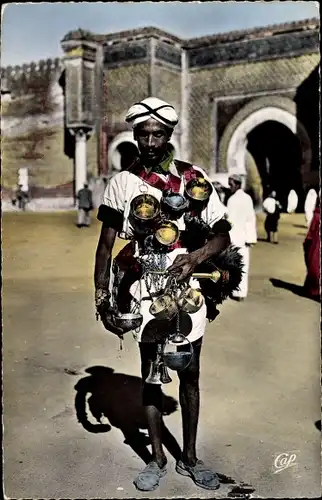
column 278, row 158
column 123, row 150
column 280, row 114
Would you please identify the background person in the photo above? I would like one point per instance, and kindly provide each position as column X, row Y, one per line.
column 85, row 205
column 243, row 234
column 310, row 205
column 311, row 248
column 272, row 208
column 21, row 197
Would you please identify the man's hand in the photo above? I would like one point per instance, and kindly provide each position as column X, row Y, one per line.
column 183, row 266
column 103, row 308
column 107, row 320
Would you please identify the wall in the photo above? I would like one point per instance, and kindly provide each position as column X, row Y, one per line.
column 238, row 79
column 124, row 86
column 32, row 129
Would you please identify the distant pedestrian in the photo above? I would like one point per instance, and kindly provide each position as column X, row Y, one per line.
column 292, row 201
column 309, row 205
column 85, row 205
column 243, row 233
column 21, row 197
column 272, row 208
column 311, row 248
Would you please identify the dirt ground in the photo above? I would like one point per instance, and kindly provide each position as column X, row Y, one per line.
column 260, row 376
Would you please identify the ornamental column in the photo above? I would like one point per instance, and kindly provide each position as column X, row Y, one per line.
column 81, row 109
column 80, row 159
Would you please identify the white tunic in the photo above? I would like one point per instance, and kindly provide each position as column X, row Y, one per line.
column 120, row 191
column 292, row 201
column 309, row 205
column 243, row 219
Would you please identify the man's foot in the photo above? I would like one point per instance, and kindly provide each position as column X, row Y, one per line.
column 238, row 299
column 149, row 478
column 200, row 474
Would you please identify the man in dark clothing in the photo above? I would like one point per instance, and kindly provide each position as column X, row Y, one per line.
column 85, row 205
column 21, row 197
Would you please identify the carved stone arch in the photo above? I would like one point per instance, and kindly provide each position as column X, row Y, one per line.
column 232, row 147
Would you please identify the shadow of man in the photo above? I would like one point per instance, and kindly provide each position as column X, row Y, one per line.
column 292, row 287
column 118, row 397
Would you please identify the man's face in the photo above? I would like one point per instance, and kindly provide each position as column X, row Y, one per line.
column 233, row 186
column 152, row 138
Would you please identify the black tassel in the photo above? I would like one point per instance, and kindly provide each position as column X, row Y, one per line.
column 228, row 260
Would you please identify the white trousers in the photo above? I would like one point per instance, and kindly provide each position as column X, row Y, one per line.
column 83, row 217
column 243, row 287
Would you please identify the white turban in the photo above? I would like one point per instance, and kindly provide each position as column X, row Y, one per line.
column 155, row 108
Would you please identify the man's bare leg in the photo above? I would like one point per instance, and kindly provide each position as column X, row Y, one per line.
column 149, row 478
column 152, row 403
column 190, row 466
column 189, row 395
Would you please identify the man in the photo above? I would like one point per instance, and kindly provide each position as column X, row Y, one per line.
column 309, row 205
column 21, row 196
column 273, row 208
column 85, row 205
column 312, row 257
column 154, row 172
column 243, row 234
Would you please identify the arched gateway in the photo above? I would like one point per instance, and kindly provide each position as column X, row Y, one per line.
column 262, row 114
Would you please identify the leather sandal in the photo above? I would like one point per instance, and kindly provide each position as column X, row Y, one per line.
column 149, row 478
column 200, row 474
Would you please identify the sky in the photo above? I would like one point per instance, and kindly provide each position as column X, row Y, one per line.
column 31, row 31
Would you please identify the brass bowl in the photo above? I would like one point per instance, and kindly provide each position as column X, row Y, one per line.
column 164, row 308
column 167, row 233
column 174, row 359
column 128, row 321
column 199, row 189
column 190, row 300
column 145, row 207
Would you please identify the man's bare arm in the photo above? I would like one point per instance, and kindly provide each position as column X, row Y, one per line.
column 103, row 257
column 187, row 263
column 103, row 260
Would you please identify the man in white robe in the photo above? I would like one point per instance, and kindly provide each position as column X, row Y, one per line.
column 309, row 205
column 244, row 232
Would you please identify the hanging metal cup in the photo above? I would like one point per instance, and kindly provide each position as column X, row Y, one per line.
column 164, row 307
column 144, row 212
column 173, row 204
column 198, row 190
column 167, row 233
column 174, row 359
column 190, row 300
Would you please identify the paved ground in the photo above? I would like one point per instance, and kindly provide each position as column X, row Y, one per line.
column 260, row 376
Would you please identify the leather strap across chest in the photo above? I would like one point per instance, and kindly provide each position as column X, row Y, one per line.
column 173, row 182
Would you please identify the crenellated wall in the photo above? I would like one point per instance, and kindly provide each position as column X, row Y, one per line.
column 32, row 129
